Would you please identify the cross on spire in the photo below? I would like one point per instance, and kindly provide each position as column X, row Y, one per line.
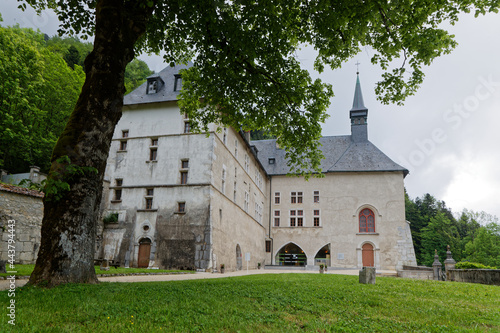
column 357, row 67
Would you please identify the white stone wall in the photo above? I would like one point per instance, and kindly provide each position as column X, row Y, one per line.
column 232, row 224
column 342, row 197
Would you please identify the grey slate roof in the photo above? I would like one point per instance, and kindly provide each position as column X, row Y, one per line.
column 341, row 155
column 166, row 93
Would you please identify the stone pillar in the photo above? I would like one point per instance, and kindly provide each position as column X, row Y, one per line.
column 449, row 263
column 436, row 265
column 104, row 265
column 367, row 275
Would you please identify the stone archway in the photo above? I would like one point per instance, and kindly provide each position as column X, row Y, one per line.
column 291, row 255
column 323, row 256
column 144, row 253
column 239, row 258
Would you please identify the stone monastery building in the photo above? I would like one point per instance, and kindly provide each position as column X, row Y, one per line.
column 184, row 200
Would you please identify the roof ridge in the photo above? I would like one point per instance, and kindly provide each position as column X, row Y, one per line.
column 345, row 151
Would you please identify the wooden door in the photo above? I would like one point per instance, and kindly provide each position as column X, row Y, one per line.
column 144, row 252
column 368, row 256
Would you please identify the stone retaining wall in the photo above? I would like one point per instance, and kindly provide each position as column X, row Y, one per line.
column 25, row 207
column 417, row 274
column 483, row 276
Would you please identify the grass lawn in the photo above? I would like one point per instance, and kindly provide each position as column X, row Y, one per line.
column 25, row 270
column 259, row 303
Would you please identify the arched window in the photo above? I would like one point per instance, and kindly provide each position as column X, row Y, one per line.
column 366, row 221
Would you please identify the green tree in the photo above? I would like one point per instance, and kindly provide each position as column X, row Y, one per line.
column 245, row 74
column 72, row 57
column 135, row 74
column 62, row 46
column 485, row 248
column 37, row 94
column 439, row 233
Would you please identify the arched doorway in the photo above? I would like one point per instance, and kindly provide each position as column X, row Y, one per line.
column 144, row 253
column 323, row 256
column 239, row 258
column 291, row 255
column 368, row 255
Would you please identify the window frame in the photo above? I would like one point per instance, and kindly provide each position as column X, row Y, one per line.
column 316, row 196
column 153, row 154
column 365, row 227
column 316, row 216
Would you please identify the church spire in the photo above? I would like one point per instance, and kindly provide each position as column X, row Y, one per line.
column 358, row 115
column 358, row 104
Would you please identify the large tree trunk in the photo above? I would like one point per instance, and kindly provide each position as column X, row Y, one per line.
column 69, row 223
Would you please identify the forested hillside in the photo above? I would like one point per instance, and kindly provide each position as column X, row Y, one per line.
column 472, row 236
column 40, row 81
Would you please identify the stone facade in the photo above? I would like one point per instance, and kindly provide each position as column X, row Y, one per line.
column 197, row 201
column 25, row 207
column 176, row 190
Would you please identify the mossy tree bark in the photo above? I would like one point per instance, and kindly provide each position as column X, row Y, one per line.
column 69, row 223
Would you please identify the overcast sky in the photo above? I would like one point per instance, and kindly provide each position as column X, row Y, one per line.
column 446, row 135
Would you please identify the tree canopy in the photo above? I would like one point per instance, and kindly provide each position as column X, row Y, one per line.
column 246, row 73
column 37, row 94
column 40, row 80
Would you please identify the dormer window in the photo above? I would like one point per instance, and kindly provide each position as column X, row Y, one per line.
column 177, row 82
column 154, row 85
column 272, row 160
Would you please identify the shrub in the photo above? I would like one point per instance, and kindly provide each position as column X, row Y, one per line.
column 472, row 265
column 111, row 218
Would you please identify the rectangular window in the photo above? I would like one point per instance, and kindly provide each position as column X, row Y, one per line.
column 234, row 192
column 181, row 207
column 125, row 134
column 276, row 218
column 247, row 163
column 185, row 164
column 268, row 246
column 118, row 191
column 154, row 142
column 224, row 136
column 247, row 201
column 149, row 192
column 293, row 219
column 316, row 217
column 236, row 148
column 293, row 197
column 223, row 181
column 184, row 177
column 277, row 198
column 153, row 154
column 177, row 82
column 316, row 196
column 123, row 145
column 149, row 203
column 300, row 218
column 187, row 127
column 299, row 197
